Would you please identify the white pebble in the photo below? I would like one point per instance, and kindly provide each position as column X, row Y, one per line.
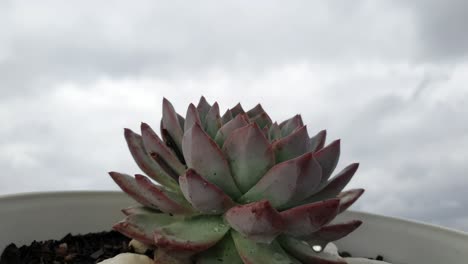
column 138, row 246
column 128, row 258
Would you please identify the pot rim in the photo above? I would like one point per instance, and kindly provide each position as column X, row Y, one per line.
column 78, row 193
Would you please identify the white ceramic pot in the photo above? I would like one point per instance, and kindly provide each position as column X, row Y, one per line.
column 28, row 217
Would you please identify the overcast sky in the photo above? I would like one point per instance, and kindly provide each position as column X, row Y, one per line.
column 390, row 78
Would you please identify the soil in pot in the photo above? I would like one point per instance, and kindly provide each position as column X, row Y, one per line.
column 80, row 249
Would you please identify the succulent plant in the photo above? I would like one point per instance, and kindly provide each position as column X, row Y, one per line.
column 236, row 188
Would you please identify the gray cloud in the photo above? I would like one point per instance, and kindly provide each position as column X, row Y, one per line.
column 55, row 42
column 441, row 28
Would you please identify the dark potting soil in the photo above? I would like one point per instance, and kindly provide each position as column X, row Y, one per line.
column 80, row 249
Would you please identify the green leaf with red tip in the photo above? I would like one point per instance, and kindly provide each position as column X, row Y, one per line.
column 289, row 125
column 260, row 253
column 257, row 221
column 139, row 210
column 204, row 156
column 292, row 146
column 213, row 121
column 262, row 120
column 328, row 159
column 258, row 109
column 348, row 198
column 156, row 148
column 142, row 226
column 191, row 235
column 249, row 155
column 318, row 141
column 274, row 132
column 333, row 232
column 203, row 107
column 129, row 185
column 225, row 131
column 170, row 122
column 203, row 195
column 304, row 252
column 287, row 182
column 146, row 162
column 191, row 117
column 334, row 186
column 304, row 220
column 237, row 110
column 226, row 117
column 223, row 252
column 162, row 256
column 166, row 201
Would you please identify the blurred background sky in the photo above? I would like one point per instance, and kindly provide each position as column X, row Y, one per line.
column 387, row 77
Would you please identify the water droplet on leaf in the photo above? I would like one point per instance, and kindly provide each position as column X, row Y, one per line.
column 317, row 248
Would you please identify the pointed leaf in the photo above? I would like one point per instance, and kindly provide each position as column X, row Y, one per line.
column 191, row 117
column 164, row 200
column 258, row 221
column 129, row 185
column 139, row 210
column 170, row 143
column 262, row 120
column 203, row 195
column 303, row 221
column 145, row 162
column 260, row 253
column 287, row 182
column 334, row 186
column 181, row 120
column 328, row 159
column 318, row 141
column 191, row 235
column 213, row 121
column 258, row 109
column 226, row 130
column 274, row 132
column 223, row 252
column 292, row 146
column 289, row 125
column 170, row 122
column 226, row 117
column 203, row 107
column 304, row 252
column 142, row 226
column 156, row 148
column 204, row 156
column 348, row 198
column 249, row 155
column 333, row 232
column 265, row 131
column 237, row 109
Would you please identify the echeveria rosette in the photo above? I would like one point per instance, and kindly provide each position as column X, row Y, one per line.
column 235, row 188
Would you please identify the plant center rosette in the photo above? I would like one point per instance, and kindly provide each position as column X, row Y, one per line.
column 236, row 188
